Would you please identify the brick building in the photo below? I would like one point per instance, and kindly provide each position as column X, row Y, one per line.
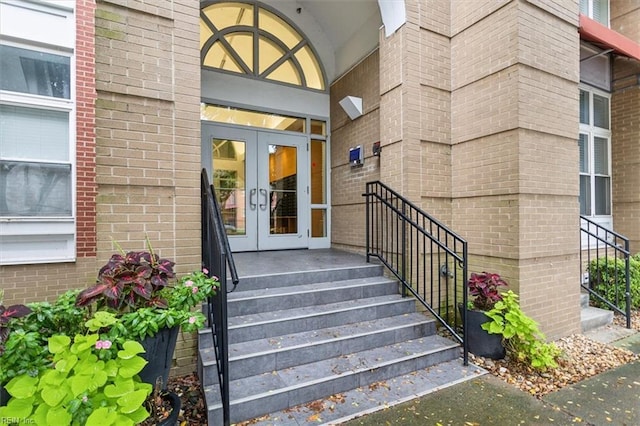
column 504, row 119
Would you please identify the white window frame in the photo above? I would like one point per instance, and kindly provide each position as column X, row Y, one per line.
column 41, row 239
column 591, row 131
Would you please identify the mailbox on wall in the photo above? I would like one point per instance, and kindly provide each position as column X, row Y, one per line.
column 356, row 156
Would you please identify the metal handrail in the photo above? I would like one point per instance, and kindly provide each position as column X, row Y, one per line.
column 216, row 256
column 610, row 246
column 427, row 258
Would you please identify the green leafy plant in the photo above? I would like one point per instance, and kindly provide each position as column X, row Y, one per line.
column 6, row 314
column 484, row 289
column 522, row 338
column 607, row 278
column 136, row 286
column 80, row 388
column 25, row 350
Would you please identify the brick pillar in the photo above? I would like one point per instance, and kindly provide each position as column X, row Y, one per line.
column 148, row 134
column 514, row 124
column 625, row 126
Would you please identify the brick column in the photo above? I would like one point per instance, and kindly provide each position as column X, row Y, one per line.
column 514, row 124
column 625, row 126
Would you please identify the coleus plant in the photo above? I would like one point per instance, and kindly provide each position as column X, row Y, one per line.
column 484, row 290
column 6, row 314
column 130, row 281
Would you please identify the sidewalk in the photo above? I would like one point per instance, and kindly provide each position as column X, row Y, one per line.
column 612, row 397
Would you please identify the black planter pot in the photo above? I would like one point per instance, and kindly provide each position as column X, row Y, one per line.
column 482, row 343
column 4, row 396
column 176, row 404
column 159, row 354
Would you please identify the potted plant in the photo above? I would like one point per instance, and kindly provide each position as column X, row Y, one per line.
column 484, row 289
column 137, row 287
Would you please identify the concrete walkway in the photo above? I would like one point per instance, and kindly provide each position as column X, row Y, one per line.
column 609, row 398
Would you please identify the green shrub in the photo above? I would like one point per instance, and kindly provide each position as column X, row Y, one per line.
column 607, row 278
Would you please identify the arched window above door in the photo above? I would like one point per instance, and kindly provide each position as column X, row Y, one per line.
column 248, row 39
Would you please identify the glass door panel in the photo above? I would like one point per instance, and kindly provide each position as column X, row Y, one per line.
column 283, row 186
column 229, row 155
column 261, row 181
column 283, row 189
column 229, row 180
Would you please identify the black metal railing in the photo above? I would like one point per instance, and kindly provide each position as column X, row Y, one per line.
column 216, row 256
column 604, row 260
column 428, row 259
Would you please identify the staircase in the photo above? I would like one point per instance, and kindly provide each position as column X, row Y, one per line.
column 304, row 335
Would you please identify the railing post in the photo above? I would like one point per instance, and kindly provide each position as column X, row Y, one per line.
column 465, row 300
column 403, row 242
column 628, row 284
column 367, row 221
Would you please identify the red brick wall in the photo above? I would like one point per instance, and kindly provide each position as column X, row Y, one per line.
column 85, row 129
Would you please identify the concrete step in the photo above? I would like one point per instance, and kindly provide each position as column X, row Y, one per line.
column 326, row 274
column 269, row 324
column 584, row 299
column 592, row 318
column 273, row 299
column 280, row 352
column 277, row 390
column 344, row 406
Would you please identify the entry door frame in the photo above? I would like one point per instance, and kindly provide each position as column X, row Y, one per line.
column 257, row 235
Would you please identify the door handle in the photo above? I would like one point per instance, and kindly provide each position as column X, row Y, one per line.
column 264, row 193
column 252, row 203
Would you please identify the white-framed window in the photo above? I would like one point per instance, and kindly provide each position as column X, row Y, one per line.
column 598, row 10
column 595, row 154
column 37, row 133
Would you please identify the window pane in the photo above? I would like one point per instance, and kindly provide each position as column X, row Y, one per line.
column 318, row 223
column 584, row 7
column 280, row 29
column 33, row 134
column 318, row 159
column 600, row 111
column 601, row 156
column 585, row 195
column 270, row 52
column 286, row 73
column 225, row 15
column 584, row 153
column 601, row 11
column 310, row 68
column 222, row 114
column 218, row 57
column 603, row 195
column 35, row 189
column 283, row 189
column 242, row 44
column 318, row 127
column 28, row 71
column 584, row 107
column 229, row 181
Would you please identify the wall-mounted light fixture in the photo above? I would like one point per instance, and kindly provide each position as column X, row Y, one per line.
column 352, row 106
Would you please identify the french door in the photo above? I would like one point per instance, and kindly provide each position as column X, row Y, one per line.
column 261, row 181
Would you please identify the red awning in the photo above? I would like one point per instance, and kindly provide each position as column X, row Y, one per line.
column 595, row 32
